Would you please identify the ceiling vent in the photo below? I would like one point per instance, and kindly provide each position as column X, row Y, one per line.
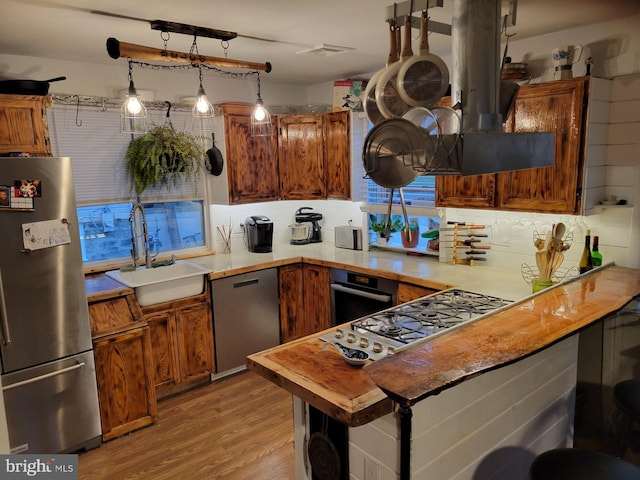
column 325, row 50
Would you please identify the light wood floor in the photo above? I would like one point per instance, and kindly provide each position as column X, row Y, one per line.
column 236, row 428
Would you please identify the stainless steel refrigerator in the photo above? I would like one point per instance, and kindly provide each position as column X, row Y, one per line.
column 48, row 371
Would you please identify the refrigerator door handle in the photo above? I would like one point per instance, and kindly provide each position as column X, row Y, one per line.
column 45, row 376
column 4, row 321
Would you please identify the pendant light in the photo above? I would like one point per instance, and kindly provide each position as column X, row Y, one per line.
column 260, row 117
column 133, row 114
column 202, row 111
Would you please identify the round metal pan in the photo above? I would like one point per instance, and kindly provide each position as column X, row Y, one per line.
column 424, row 78
column 369, row 105
column 391, row 150
column 214, row 155
column 388, row 99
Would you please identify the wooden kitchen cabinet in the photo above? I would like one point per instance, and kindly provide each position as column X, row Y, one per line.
column 182, row 343
column 301, row 157
column 337, row 155
column 558, row 107
column 122, row 351
column 251, row 162
column 308, row 157
column 305, row 300
column 408, row 292
column 23, row 124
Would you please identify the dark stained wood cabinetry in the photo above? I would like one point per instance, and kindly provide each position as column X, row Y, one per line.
column 182, row 342
column 408, row 292
column 122, row 351
column 23, row 124
column 251, row 162
column 305, row 300
column 557, row 107
column 308, row 157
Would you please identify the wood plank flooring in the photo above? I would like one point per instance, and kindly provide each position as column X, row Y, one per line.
column 237, row 428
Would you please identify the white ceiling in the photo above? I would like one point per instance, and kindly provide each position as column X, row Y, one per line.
column 68, row 30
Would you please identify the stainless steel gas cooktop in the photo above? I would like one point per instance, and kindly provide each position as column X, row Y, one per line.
column 391, row 330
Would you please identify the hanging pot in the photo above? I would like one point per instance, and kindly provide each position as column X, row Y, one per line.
column 214, row 155
column 391, row 150
column 370, row 106
column 424, row 78
column 27, row 87
column 388, row 100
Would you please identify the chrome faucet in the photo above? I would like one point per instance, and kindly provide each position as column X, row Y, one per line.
column 134, row 237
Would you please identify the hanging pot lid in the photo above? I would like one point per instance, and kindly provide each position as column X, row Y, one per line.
column 391, row 150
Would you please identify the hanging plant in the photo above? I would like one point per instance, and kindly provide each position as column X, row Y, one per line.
column 163, row 156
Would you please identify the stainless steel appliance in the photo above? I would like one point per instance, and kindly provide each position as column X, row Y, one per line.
column 48, row 373
column 386, row 332
column 354, row 295
column 348, row 237
column 246, row 317
column 304, row 215
column 259, row 233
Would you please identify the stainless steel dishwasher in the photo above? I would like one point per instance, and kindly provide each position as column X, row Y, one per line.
column 246, row 317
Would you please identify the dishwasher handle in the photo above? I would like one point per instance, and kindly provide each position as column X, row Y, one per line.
column 380, row 297
column 246, row 283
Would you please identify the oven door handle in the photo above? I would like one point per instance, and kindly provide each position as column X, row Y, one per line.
column 353, row 291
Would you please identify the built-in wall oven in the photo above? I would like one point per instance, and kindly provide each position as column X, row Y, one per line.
column 355, row 295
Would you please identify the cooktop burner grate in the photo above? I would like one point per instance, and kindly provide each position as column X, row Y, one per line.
column 429, row 315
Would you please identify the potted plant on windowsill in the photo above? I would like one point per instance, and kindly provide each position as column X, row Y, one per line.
column 380, row 227
column 162, row 156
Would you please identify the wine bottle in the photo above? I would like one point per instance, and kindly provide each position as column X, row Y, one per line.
column 586, row 263
column 596, row 256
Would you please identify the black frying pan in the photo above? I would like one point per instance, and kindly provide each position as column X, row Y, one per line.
column 27, row 87
column 215, row 158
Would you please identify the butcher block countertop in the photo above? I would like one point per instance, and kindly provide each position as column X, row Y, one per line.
column 357, row 395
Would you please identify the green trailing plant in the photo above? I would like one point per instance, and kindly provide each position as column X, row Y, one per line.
column 380, row 226
column 163, row 156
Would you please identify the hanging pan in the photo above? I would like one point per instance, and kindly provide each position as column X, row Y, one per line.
column 391, row 150
column 215, row 158
column 388, row 100
column 370, row 106
column 424, row 78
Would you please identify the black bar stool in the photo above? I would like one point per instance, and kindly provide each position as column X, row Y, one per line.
column 626, row 395
column 576, row 464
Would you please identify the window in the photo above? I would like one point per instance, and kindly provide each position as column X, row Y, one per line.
column 176, row 217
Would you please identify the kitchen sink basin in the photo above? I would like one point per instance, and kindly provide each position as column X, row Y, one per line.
column 163, row 284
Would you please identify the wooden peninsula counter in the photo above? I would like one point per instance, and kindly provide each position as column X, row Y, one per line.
column 503, row 383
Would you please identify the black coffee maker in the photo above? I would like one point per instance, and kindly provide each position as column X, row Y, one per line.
column 258, row 231
column 302, row 215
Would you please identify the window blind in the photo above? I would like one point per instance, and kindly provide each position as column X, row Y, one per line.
column 97, row 150
column 419, row 193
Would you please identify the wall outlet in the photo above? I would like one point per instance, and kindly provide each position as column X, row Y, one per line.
column 371, row 469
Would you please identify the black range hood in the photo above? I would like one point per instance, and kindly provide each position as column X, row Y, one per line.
column 475, row 87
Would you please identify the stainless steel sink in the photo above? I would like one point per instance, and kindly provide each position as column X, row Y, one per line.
column 163, row 284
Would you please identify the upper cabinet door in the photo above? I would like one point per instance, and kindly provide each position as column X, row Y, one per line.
column 337, row 155
column 23, row 124
column 301, row 157
column 251, row 162
column 548, row 107
column 473, row 191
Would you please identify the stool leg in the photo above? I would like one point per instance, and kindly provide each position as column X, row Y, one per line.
column 624, row 427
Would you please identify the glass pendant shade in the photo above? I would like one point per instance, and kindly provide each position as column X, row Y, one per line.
column 260, row 120
column 202, row 112
column 133, row 114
